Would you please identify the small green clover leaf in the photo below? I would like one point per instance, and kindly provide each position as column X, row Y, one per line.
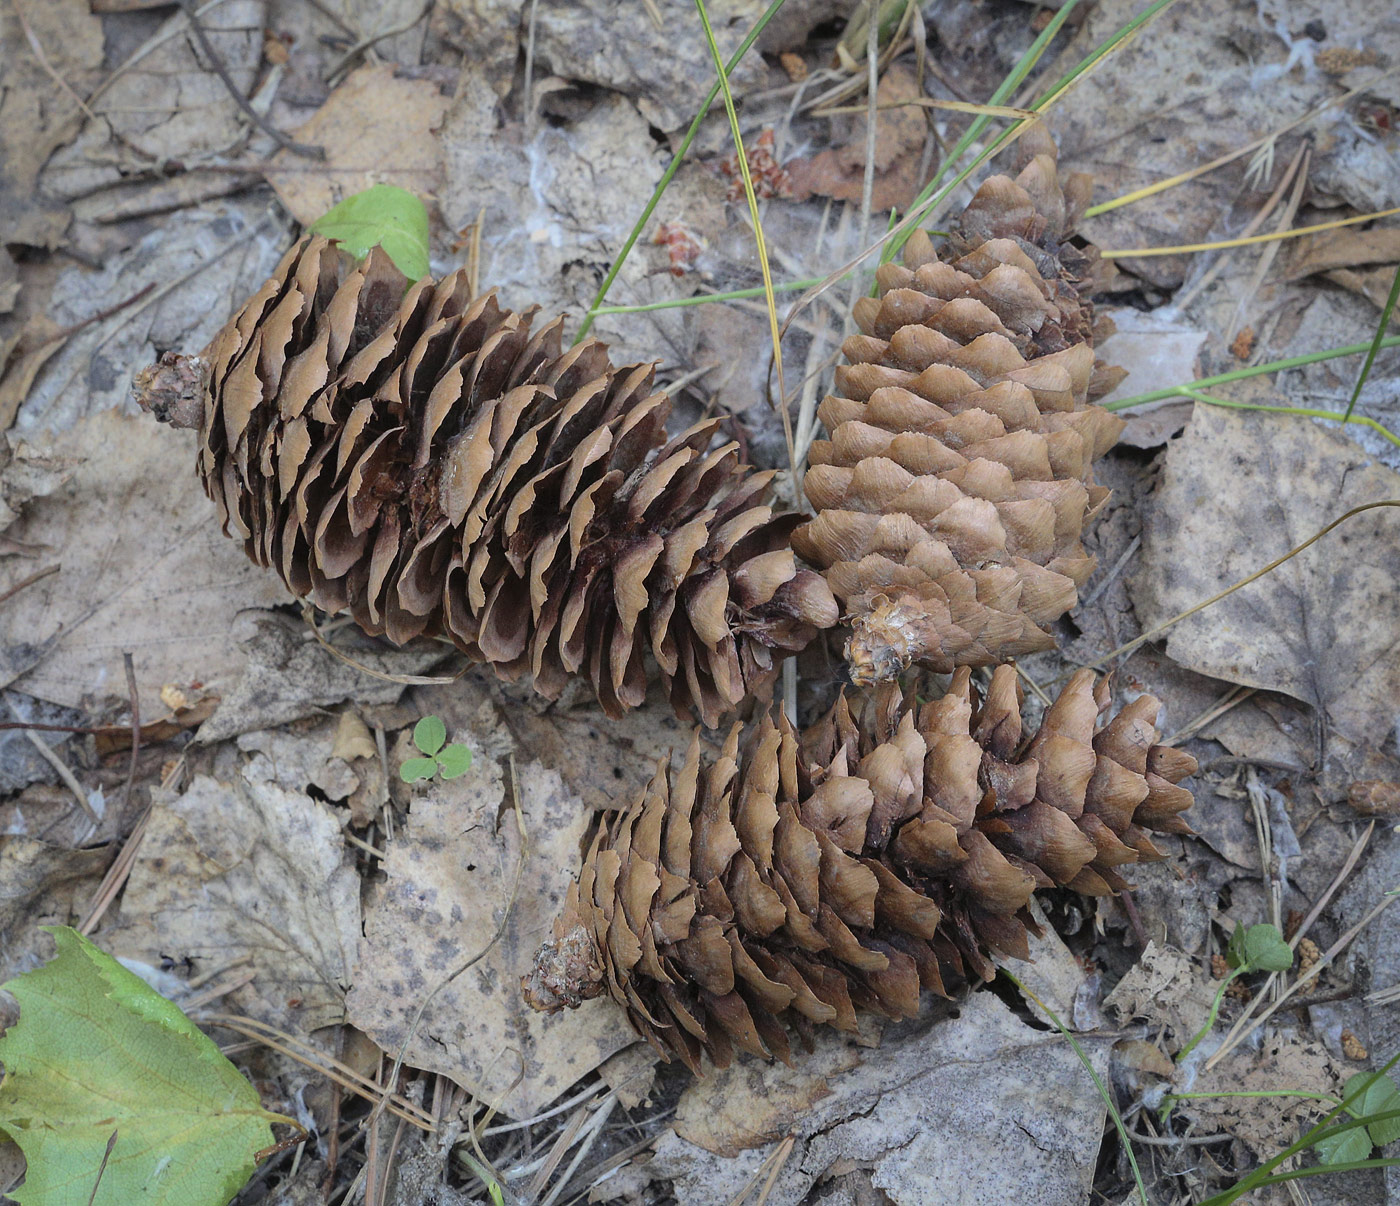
column 1259, row 948
column 381, row 216
column 429, row 735
column 1344, row 1147
column 454, row 761
column 1366, row 1095
column 418, row 768
column 451, row 761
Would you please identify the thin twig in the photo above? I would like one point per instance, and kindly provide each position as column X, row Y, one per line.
column 129, row 665
column 70, row 780
column 37, row 576
column 116, row 876
column 221, row 69
column 372, row 40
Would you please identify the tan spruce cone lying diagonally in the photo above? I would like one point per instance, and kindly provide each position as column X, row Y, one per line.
column 803, row 879
column 427, row 461
column 957, row 479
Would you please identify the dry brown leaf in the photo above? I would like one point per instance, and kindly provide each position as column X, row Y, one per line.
column 288, row 674
column 247, row 871
column 603, row 762
column 1239, row 490
column 376, row 128
column 899, row 138
column 165, row 105
column 1361, row 261
column 40, row 884
column 144, row 568
column 1165, row 988
column 910, row 1110
column 449, row 876
column 1265, row 1125
column 1371, row 283
column 353, row 739
column 1347, row 248
column 37, row 112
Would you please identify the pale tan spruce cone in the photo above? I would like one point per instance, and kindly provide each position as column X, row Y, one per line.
column 435, row 464
column 796, row 880
column 957, row 479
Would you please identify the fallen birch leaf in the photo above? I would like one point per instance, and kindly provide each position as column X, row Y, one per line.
column 449, row 878
column 115, row 1096
column 376, row 128
column 1239, row 490
column 250, row 871
column 144, row 568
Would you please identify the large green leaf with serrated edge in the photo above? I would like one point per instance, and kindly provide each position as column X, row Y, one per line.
column 96, row 1053
column 381, row 216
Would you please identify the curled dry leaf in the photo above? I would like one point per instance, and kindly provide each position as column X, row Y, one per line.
column 1164, row 988
column 900, row 131
column 1239, row 490
column 288, row 674
column 449, row 878
column 248, row 872
column 910, row 1110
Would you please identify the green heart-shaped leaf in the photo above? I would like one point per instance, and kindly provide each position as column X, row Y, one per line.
column 1265, row 949
column 381, row 216
column 1370, row 1093
column 99, row 1058
column 1343, row 1147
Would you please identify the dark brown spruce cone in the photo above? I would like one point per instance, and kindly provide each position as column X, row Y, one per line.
column 951, row 495
column 805, row 879
column 423, row 459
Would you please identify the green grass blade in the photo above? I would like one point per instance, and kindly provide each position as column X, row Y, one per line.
column 1302, row 411
column 1104, row 1093
column 760, row 244
column 1386, row 312
column 1274, row 366
column 674, row 166
column 705, row 299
